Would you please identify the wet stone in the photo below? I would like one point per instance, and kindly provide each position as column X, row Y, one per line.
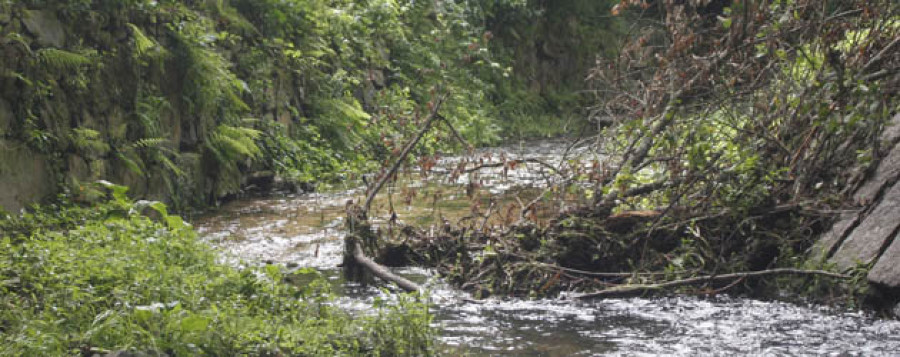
column 833, row 237
column 887, row 270
column 891, row 133
column 865, row 242
column 887, row 172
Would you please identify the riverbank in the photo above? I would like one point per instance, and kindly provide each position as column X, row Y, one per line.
column 124, row 275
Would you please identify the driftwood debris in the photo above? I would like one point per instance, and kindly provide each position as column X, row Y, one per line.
column 359, row 231
column 382, row 272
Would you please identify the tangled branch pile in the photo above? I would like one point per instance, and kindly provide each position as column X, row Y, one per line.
column 732, row 131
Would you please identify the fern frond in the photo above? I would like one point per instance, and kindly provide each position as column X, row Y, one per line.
column 6, row 72
column 16, row 37
column 133, row 165
column 233, row 17
column 149, row 111
column 147, row 143
column 231, row 143
column 350, row 111
column 143, row 45
column 211, row 86
column 168, row 164
column 61, row 60
column 88, row 141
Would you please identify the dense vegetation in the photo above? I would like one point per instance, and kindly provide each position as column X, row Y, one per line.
column 181, row 100
column 185, row 101
column 734, row 133
column 88, row 280
column 729, row 132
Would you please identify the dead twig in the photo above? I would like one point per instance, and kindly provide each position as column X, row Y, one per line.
column 406, row 149
column 638, row 289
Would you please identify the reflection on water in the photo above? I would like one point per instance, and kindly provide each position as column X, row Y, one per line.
column 305, row 230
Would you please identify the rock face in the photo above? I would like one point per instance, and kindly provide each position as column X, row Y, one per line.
column 27, row 176
column 886, row 173
column 870, row 236
column 887, row 270
column 826, row 244
column 865, row 242
column 44, row 25
column 6, row 117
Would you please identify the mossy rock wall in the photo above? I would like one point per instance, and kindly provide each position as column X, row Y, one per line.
column 81, row 101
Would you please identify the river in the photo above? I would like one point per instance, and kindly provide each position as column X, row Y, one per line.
column 304, row 230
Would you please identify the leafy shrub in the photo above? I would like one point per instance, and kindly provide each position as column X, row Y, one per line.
column 77, row 280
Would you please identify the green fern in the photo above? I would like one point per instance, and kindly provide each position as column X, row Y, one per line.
column 342, row 120
column 6, row 72
column 211, row 88
column 16, row 37
column 230, row 143
column 149, row 112
column 167, row 163
column 144, row 46
column 131, row 162
column 147, row 143
column 232, row 17
column 61, row 60
column 89, row 142
column 155, row 150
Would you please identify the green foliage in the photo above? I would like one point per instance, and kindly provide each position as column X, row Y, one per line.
column 89, row 142
column 60, row 60
column 81, row 280
column 145, row 47
column 300, row 160
column 546, row 51
column 345, row 82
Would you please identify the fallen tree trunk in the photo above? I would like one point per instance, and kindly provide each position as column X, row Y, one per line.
column 638, row 289
column 382, row 272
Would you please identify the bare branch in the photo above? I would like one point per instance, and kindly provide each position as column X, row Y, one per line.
column 409, row 146
column 631, row 290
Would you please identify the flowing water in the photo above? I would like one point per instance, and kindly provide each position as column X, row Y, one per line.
column 305, row 230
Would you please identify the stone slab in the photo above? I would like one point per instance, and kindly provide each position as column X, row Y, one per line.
column 834, row 237
column 865, row 242
column 7, row 118
column 25, row 176
column 887, row 172
column 44, row 25
column 887, row 270
column 891, row 133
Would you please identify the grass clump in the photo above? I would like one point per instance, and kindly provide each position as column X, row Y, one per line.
column 78, row 281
